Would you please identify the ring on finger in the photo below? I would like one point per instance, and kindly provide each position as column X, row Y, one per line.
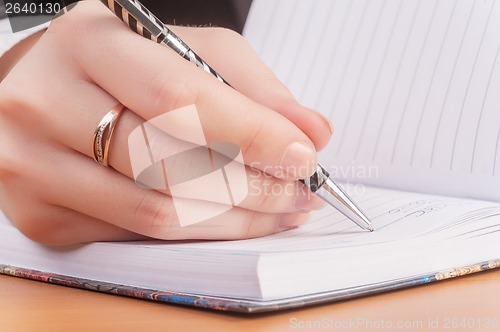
column 103, row 134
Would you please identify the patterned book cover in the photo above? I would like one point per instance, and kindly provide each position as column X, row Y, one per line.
column 242, row 305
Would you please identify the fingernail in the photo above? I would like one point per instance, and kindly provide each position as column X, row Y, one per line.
column 293, row 220
column 328, row 122
column 307, row 202
column 296, row 161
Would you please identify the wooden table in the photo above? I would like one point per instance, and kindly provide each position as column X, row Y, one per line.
column 469, row 303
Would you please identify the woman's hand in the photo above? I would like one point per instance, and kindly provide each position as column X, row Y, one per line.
column 86, row 63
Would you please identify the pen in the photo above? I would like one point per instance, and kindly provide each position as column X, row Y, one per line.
column 142, row 21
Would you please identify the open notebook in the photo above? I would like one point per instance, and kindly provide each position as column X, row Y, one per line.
column 412, row 88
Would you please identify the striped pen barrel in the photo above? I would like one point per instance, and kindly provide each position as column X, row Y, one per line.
column 145, row 23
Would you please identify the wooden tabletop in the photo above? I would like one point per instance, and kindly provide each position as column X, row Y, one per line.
column 469, row 303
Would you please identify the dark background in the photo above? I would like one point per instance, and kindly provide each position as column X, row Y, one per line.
column 222, row 13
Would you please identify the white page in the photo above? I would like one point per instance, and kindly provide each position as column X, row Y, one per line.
column 412, row 87
column 396, row 216
column 438, row 232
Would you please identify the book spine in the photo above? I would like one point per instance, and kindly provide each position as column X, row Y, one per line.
column 124, row 290
column 462, row 271
column 246, row 306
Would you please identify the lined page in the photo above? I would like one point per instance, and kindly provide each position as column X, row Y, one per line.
column 397, row 217
column 415, row 235
column 412, row 87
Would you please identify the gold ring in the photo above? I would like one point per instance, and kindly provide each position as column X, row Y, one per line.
column 103, row 133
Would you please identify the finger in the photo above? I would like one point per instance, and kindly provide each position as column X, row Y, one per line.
column 264, row 193
column 253, row 78
column 71, row 118
column 210, row 174
column 58, row 226
column 50, row 224
column 148, row 212
column 151, row 80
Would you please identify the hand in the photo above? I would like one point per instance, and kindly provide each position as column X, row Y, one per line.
column 87, row 62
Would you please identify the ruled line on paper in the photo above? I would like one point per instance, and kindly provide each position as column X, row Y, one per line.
column 393, row 86
column 349, row 230
column 330, row 64
column 438, row 60
column 281, row 41
column 329, row 226
column 497, row 152
column 265, row 36
column 412, row 84
column 321, row 36
column 300, row 42
column 377, row 79
column 450, row 81
column 468, row 86
column 346, row 65
column 361, row 72
column 400, row 215
column 485, row 97
column 332, row 58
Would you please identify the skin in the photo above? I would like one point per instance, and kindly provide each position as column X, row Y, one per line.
column 58, row 85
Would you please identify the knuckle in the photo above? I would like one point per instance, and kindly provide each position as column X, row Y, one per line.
column 12, row 103
column 18, row 109
column 16, row 149
column 65, row 25
column 153, row 216
column 8, row 166
column 6, row 161
column 266, row 199
column 251, row 134
column 78, row 19
column 166, row 94
column 32, row 227
column 245, row 231
column 12, row 162
column 255, row 224
column 81, row 24
column 46, row 232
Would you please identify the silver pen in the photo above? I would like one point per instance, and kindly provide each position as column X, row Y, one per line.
column 142, row 21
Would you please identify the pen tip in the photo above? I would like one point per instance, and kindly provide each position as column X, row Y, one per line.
column 370, row 228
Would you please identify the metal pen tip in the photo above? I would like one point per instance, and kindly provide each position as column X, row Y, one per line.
column 336, row 197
